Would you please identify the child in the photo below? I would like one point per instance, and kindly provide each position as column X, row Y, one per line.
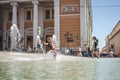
column 51, row 45
column 79, row 52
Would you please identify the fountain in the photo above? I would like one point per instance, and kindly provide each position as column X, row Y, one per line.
column 37, row 67
column 34, row 67
column 15, row 38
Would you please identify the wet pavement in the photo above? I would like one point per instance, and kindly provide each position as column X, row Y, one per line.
column 28, row 66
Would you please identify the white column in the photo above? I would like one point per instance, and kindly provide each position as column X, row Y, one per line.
column 35, row 22
column 83, row 22
column 41, row 19
column 14, row 13
column 4, row 28
column 14, row 22
column 57, row 20
column 22, row 21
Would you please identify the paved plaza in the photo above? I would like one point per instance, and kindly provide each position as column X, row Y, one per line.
column 32, row 66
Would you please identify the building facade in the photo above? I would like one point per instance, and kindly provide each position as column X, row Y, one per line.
column 114, row 39
column 69, row 20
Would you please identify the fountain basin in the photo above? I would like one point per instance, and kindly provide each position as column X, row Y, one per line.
column 25, row 66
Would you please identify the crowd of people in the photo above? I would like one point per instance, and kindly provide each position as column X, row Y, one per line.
column 84, row 51
column 92, row 52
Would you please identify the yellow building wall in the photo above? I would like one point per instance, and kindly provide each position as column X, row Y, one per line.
column 116, row 42
column 115, row 38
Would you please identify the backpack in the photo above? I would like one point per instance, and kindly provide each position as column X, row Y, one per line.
column 97, row 41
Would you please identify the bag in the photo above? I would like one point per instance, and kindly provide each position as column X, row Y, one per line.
column 97, row 41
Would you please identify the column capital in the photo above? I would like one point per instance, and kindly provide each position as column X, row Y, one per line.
column 14, row 3
column 36, row 2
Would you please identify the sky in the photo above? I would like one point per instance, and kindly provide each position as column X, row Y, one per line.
column 106, row 14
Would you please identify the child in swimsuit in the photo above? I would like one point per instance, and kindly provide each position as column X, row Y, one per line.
column 51, row 45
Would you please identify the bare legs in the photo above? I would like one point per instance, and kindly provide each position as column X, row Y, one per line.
column 95, row 53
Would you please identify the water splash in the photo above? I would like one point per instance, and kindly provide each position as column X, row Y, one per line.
column 49, row 55
column 54, row 38
column 15, row 37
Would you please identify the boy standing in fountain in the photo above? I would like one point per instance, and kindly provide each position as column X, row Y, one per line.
column 51, row 45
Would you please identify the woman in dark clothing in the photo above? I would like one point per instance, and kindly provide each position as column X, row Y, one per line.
column 94, row 48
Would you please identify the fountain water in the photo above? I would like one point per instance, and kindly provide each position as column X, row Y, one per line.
column 54, row 38
column 15, row 37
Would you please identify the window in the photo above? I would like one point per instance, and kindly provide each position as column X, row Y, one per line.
column 18, row 16
column 52, row 13
column 28, row 14
column 29, row 38
column 49, row 13
column 10, row 16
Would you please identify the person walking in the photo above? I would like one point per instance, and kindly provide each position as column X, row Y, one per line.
column 95, row 51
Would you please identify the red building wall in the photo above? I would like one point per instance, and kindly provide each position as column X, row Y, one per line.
column 70, row 22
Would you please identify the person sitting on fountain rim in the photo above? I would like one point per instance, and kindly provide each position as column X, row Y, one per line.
column 38, row 45
column 51, row 45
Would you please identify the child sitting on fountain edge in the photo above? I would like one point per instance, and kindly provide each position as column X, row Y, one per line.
column 51, row 45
